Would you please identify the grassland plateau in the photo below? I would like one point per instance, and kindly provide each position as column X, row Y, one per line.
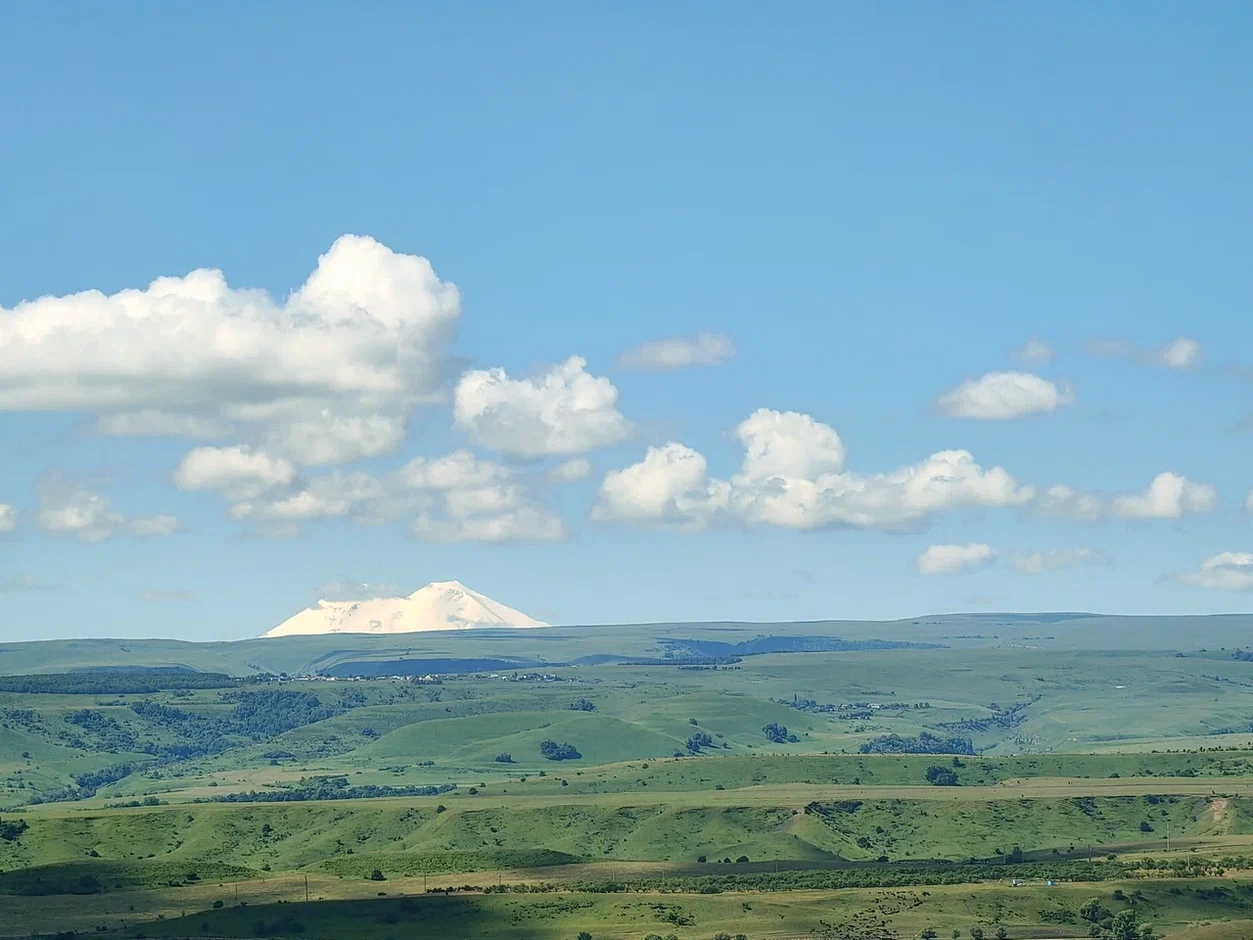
column 1034, row 776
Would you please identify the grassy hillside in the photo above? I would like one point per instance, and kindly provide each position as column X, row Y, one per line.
column 856, row 913
column 764, row 824
column 918, row 781
column 187, row 742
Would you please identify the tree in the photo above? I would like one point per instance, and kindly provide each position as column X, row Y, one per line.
column 505, row 758
column 584, row 935
column 942, row 776
column 1126, row 926
column 699, row 740
column 377, row 875
column 1001, row 932
column 927, row 933
column 775, row 733
column 553, row 751
column 1092, row 911
column 12, row 830
column 976, row 933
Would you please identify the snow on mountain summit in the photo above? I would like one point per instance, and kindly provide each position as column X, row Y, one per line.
column 441, row 605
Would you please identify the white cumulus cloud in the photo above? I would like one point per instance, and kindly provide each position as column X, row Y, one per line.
column 1057, row 559
column 670, row 487
column 954, row 559
column 1226, row 571
column 1248, row 502
column 325, row 376
column 71, row 507
column 792, row 476
column 457, row 497
column 8, row 518
column 1168, row 496
column 237, row 472
column 564, row 412
column 999, row 396
column 788, row 445
column 679, row 352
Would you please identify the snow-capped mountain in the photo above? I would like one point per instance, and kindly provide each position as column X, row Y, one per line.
column 441, row 605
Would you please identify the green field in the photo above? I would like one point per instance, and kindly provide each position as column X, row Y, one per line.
column 763, row 793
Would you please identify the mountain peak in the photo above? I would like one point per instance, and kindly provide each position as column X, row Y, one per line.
column 441, row 586
column 441, row 605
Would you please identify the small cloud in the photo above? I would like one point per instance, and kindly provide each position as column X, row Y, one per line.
column 1000, row 396
column 1182, row 352
column 679, row 352
column 1168, row 496
column 1043, row 562
column 168, row 596
column 25, row 584
column 71, row 506
column 8, row 518
column 954, row 559
column 1034, row 352
column 1226, row 571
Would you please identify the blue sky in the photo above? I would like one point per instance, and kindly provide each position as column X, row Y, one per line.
column 847, row 219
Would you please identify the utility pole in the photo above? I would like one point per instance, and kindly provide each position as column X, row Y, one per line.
column 306, row 889
column 1168, row 835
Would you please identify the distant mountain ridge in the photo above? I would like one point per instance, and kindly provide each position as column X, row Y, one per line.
column 1044, row 632
column 441, row 605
